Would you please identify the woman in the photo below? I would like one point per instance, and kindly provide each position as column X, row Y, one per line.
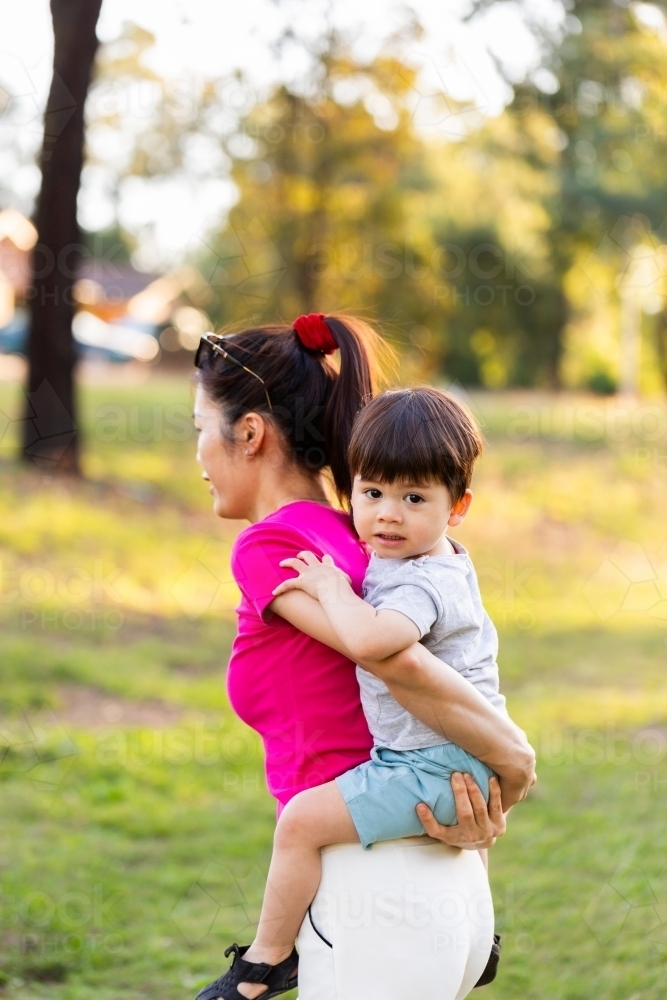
column 409, row 918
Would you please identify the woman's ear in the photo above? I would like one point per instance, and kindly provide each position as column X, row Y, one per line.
column 251, row 433
column 460, row 509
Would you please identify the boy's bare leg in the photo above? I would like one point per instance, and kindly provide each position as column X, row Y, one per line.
column 310, row 821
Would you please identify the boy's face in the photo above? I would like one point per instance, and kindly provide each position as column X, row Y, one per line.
column 404, row 520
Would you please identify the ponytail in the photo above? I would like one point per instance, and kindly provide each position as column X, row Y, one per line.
column 284, row 373
column 353, row 389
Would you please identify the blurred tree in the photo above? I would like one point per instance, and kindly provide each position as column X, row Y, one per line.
column 328, row 176
column 50, row 433
column 605, row 95
column 126, row 100
column 491, row 229
column 494, row 258
column 468, row 244
column 145, row 129
column 611, row 112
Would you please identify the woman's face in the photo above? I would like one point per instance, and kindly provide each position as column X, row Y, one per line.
column 223, row 461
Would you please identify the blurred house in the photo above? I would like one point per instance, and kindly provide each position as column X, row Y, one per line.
column 121, row 313
column 17, row 238
column 128, row 312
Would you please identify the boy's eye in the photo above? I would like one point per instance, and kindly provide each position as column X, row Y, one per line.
column 414, row 498
column 374, row 494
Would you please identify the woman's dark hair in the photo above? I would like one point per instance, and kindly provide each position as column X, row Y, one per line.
column 311, row 401
column 420, row 435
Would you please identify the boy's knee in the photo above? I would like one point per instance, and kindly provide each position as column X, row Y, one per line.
column 293, row 823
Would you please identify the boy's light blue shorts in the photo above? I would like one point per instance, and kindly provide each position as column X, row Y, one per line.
column 382, row 793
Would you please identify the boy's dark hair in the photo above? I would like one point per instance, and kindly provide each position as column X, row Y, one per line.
column 416, row 435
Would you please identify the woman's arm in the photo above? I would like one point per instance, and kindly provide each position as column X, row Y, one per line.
column 440, row 698
column 447, row 702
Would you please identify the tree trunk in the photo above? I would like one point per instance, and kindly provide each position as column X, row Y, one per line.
column 661, row 344
column 50, row 433
column 554, row 347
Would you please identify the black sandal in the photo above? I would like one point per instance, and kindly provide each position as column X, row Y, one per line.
column 276, row 977
column 491, row 970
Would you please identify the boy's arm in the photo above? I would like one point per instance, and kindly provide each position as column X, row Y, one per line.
column 368, row 634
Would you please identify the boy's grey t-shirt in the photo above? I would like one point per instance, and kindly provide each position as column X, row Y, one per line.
column 440, row 594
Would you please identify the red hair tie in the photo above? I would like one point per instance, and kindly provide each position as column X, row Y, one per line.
column 314, row 333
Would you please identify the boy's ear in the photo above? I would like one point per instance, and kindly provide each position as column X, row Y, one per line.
column 460, row 509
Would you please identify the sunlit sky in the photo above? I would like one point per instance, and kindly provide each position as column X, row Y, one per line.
column 214, row 37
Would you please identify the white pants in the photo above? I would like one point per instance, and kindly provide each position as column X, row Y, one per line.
column 407, row 920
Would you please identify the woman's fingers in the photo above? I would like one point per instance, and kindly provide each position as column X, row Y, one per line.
column 496, row 814
column 477, row 801
column 465, row 813
column 482, row 817
column 430, row 823
column 454, row 836
column 476, row 826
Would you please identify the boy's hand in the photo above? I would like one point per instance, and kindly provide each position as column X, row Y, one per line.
column 315, row 578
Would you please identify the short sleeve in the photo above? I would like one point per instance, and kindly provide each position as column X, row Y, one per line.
column 414, row 597
column 256, row 556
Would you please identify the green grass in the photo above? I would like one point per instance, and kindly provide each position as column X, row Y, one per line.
column 135, row 826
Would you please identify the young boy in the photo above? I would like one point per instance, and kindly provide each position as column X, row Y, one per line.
column 412, row 456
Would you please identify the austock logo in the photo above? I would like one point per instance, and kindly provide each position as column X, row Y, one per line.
column 633, row 901
column 246, row 262
column 221, row 900
column 630, row 580
column 38, row 751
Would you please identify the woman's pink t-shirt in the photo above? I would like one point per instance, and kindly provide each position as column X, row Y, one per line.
column 301, row 696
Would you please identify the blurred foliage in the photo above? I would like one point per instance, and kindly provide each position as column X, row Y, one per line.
column 324, row 218
column 491, row 249
column 609, row 116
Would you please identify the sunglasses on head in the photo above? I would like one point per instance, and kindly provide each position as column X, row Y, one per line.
column 210, row 345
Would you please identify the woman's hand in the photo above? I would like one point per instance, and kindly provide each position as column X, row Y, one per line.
column 313, row 576
column 477, row 826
